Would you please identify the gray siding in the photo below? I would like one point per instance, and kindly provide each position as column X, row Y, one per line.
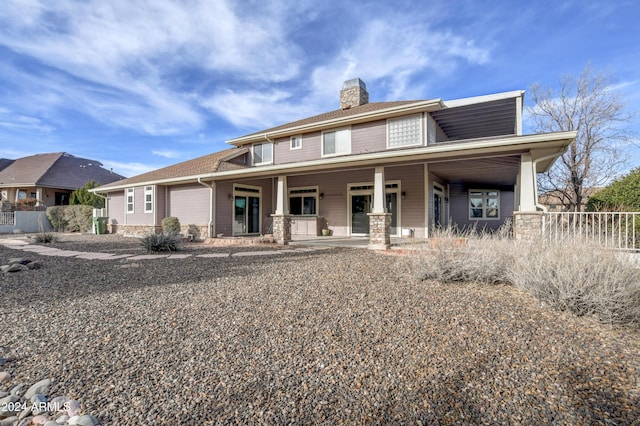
column 459, row 199
column 369, row 137
column 159, row 203
column 310, row 149
column 138, row 217
column 224, row 206
column 412, row 211
column 189, row 203
column 116, row 207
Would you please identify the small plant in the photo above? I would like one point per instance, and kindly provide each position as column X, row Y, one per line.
column 170, row 225
column 161, row 242
column 45, row 237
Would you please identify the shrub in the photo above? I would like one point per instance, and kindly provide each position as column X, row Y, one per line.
column 78, row 218
column 161, row 242
column 170, row 225
column 460, row 256
column 45, row 237
column 56, row 217
column 573, row 274
column 580, row 277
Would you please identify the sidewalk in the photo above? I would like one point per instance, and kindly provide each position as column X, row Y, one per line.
column 21, row 244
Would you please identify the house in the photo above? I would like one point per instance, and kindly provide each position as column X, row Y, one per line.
column 368, row 168
column 558, row 201
column 49, row 178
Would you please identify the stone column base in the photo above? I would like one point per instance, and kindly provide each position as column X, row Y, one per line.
column 527, row 226
column 379, row 231
column 281, row 228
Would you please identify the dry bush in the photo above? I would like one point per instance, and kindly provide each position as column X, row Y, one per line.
column 571, row 274
column 461, row 256
column 581, row 277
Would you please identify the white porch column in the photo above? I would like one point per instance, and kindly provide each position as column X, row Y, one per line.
column 527, row 184
column 378, row 191
column 282, row 200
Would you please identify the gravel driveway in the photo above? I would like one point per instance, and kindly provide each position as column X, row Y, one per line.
column 341, row 336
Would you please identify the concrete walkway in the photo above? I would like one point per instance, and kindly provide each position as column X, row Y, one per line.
column 21, row 244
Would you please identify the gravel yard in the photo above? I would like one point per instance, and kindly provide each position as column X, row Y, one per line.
column 341, row 336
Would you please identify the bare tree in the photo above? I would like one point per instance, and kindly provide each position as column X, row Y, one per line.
column 586, row 104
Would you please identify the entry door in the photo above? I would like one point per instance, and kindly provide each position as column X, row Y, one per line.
column 438, row 206
column 392, row 207
column 360, row 206
column 246, row 215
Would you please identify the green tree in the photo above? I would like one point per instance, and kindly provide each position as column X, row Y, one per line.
column 84, row 197
column 589, row 105
column 622, row 194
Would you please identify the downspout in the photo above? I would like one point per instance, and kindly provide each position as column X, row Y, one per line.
column 534, row 162
column 211, row 206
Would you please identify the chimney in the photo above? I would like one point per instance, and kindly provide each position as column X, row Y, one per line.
column 354, row 93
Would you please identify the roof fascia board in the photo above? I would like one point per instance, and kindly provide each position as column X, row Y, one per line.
column 476, row 146
column 482, row 99
column 429, row 105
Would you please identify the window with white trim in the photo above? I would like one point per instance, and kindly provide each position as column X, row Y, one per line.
column 336, row 142
column 404, row 131
column 303, row 201
column 484, row 204
column 262, row 153
column 130, row 200
column 148, row 199
column 296, row 142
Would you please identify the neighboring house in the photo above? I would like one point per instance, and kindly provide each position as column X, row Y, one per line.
column 556, row 201
column 365, row 169
column 49, row 178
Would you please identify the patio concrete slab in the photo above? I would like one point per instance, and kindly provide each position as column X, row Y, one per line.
column 178, row 256
column 95, row 256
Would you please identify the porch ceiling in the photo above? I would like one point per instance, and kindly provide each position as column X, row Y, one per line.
column 479, row 120
column 490, row 171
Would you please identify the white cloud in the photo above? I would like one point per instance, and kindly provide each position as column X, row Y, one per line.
column 129, row 169
column 166, row 153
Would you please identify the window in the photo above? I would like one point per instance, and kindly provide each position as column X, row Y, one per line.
column 303, row 201
column 263, row 153
column 336, row 142
column 484, row 204
column 404, row 131
column 148, row 199
column 296, row 142
column 130, row 198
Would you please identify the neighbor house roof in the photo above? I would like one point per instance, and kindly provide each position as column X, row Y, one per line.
column 218, row 161
column 55, row 170
column 4, row 163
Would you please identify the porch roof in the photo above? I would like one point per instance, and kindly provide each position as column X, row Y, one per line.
column 544, row 148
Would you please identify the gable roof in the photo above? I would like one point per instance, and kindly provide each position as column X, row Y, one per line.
column 343, row 116
column 218, row 161
column 55, row 170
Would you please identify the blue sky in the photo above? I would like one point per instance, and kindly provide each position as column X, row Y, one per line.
column 142, row 84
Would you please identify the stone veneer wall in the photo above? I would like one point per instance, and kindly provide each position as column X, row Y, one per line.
column 527, row 226
column 281, row 228
column 353, row 96
column 379, row 231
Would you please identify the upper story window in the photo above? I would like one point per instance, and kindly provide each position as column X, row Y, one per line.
column 404, row 131
column 296, row 142
column 484, row 204
column 130, row 200
column 148, row 199
column 303, row 201
column 262, row 153
column 336, row 142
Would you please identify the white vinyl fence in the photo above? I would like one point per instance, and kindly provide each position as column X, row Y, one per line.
column 619, row 230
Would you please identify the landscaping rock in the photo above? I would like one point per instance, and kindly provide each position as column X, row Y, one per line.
column 42, row 387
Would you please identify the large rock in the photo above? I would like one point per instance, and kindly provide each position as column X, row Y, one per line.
column 4, row 376
column 42, row 387
column 15, row 267
column 7, row 408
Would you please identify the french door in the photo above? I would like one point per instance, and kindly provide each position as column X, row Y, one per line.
column 246, row 210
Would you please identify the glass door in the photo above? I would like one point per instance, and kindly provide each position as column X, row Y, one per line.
column 246, row 217
column 360, row 206
column 438, row 206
